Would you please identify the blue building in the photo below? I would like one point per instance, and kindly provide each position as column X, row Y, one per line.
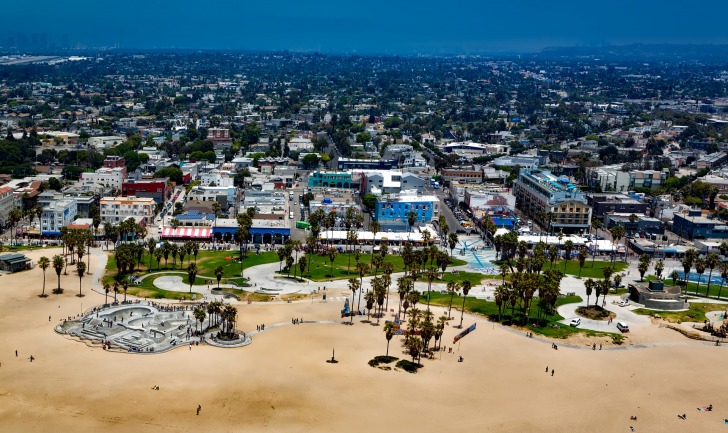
column 391, row 211
column 695, row 226
column 330, row 179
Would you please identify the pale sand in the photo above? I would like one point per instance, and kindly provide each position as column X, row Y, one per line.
column 281, row 382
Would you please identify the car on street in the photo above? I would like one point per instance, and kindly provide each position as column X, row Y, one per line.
column 576, row 321
column 622, row 327
column 623, row 303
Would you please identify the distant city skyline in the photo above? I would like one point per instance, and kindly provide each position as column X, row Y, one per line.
column 404, row 27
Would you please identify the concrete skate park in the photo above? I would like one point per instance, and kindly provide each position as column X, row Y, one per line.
column 140, row 327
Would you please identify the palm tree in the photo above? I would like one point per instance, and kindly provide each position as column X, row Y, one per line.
column 375, row 228
column 431, row 275
column 617, row 234
column 200, row 313
column 589, row 285
column 219, row 272
column 724, row 275
column 353, row 286
column 192, row 274
column 711, row 262
column 568, row 249
column 466, row 289
column 361, row 269
column 452, row 288
column 369, row 298
column 80, row 269
column 388, row 333
column 116, row 290
column 332, row 252
column 452, row 241
column 58, row 263
column 106, row 293
column 582, row 259
column 700, row 269
column 158, row 256
column 44, row 263
column 411, row 219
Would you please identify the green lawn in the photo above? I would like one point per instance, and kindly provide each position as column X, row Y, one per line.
column 589, row 271
column 490, row 310
column 207, row 261
column 696, row 312
column 321, row 266
column 475, row 278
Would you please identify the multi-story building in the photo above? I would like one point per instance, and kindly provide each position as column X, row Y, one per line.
column 108, row 177
column 157, row 189
column 693, row 225
column 117, row 209
column 614, row 178
column 380, row 182
column 392, row 211
column 712, row 160
column 113, row 161
column 539, row 193
column 105, row 142
column 219, row 135
column 7, row 203
column 529, row 162
column 604, row 203
column 367, row 164
column 330, row 179
column 462, row 175
column 56, row 214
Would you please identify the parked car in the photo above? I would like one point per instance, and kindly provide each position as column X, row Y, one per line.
column 576, row 321
column 624, row 303
column 622, row 327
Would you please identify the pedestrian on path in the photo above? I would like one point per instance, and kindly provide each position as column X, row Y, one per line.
column 199, row 408
column 547, row 369
column 552, row 372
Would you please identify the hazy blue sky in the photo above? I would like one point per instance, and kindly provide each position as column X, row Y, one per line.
column 395, row 26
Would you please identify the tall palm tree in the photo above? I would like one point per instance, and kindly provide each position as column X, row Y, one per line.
column 362, row 269
column 200, row 314
column 568, row 249
column 43, row 263
column 58, row 263
column 369, row 299
column 724, row 275
column 466, row 289
column 191, row 274
column 80, row 269
column 219, row 272
column 403, row 287
column 107, row 287
column 711, row 262
column 452, row 288
column 388, row 333
column 375, row 228
column 431, row 275
column 332, row 252
column 700, row 269
column 158, row 256
column 353, row 286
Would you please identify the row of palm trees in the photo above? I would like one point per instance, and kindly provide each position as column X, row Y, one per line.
column 711, row 261
column 58, row 265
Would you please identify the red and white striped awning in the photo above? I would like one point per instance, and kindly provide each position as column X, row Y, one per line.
column 187, row 233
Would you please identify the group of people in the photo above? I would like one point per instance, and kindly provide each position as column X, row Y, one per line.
column 295, row 321
column 260, row 327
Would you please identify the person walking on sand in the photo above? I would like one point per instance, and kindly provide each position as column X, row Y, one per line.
column 199, row 408
column 552, row 372
column 547, row 369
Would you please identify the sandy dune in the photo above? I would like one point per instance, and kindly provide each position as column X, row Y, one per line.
column 282, row 383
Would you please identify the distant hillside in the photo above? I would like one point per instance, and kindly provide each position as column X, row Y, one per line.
column 641, row 52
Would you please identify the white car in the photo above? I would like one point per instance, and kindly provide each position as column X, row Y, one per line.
column 624, row 303
column 576, row 321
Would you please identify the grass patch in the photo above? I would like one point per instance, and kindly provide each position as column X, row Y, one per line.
column 408, row 366
column 591, row 269
column 696, row 313
column 474, row 278
column 345, row 266
column 548, row 327
column 595, row 312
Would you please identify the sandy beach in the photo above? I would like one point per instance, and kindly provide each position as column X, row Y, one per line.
column 282, row 383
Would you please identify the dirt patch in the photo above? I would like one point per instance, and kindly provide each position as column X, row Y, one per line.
column 595, row 312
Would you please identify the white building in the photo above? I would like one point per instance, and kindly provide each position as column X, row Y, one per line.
column 105, row 142
column 7, row 202
column 117, row 209
column 297, row 144
column 217, row 178
column 57, row 214
column 108, row 177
